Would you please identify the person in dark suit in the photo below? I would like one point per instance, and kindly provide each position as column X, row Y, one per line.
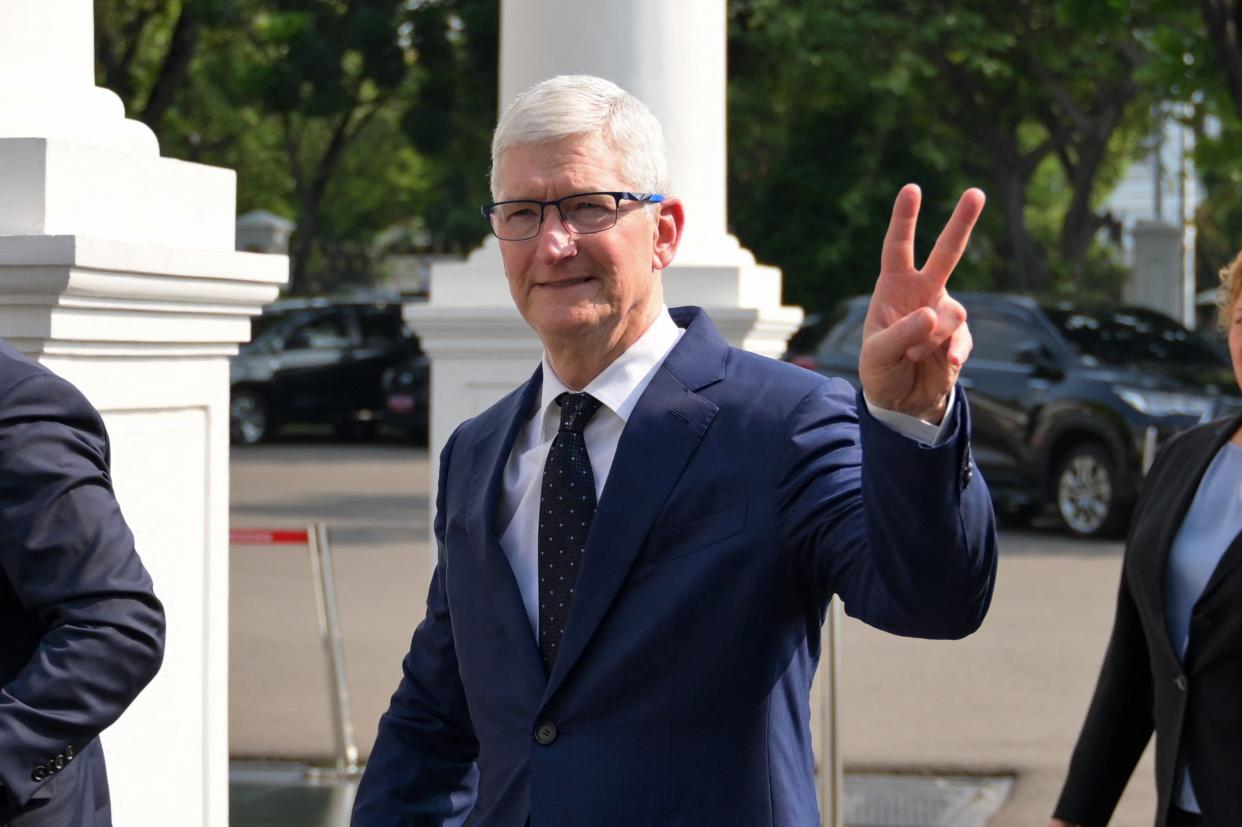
column 1174, row 662
column 81, row 631
column 636, row 548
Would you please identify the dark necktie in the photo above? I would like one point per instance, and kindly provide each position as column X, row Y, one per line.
column 566, row 509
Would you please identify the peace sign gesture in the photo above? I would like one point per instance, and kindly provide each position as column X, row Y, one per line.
column 915, row 338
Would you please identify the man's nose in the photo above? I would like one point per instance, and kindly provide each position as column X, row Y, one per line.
column 554, row 239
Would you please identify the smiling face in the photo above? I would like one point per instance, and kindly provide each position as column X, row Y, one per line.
column 589, row 297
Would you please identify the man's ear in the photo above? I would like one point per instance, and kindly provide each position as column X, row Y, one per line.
column 668, row 228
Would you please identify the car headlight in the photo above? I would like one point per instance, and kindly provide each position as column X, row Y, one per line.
column 1164, row 403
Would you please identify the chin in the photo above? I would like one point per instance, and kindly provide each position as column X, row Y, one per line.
column 565, row 321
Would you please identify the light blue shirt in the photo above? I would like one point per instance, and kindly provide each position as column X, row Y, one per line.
column 1212, row 523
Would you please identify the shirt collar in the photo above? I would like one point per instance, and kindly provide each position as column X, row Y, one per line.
column 620, row 384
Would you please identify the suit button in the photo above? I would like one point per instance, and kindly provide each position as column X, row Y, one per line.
column 545, row 733
column 40, row 773
column 1180, row 682
column 58, row 762
column 69, row 753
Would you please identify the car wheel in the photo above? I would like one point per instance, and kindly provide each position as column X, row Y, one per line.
column 1086, row 491
column 249, row 420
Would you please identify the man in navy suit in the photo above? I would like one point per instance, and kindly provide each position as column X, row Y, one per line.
column 81, row 632
column 636, row 548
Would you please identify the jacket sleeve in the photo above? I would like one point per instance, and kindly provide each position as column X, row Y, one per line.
column 421, row 771
column 1118, row 726
column 67, row 559
column 904, row 533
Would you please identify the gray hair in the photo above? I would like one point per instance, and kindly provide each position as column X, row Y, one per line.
column 583, row 106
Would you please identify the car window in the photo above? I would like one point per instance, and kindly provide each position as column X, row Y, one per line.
column 326, row 331
column 1125, row 335
column 997, row 336
column 382, row 328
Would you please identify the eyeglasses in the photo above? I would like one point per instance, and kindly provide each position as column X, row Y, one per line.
column 581, row 213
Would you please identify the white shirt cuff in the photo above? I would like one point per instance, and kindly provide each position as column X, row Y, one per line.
column 917, row 429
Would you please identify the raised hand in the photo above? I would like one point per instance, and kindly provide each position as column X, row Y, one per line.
column 915, row 338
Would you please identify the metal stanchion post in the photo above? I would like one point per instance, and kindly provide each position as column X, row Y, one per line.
column 831, row 766
column 330, row 630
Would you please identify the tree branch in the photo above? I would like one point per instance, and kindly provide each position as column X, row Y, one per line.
column 1221, row 18
column 175, row 67
column 294, row 151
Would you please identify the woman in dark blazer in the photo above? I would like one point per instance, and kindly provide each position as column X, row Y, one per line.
column 1174, row 663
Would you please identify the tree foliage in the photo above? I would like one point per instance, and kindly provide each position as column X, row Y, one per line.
column 323, row 106
column 1040, row 102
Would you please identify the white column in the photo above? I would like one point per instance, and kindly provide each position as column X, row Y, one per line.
column 671, row 55
column 117, row 271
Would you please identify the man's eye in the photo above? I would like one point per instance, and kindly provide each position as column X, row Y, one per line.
column 519, row 212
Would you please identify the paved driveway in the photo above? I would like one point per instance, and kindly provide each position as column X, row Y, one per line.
column 1008, row 699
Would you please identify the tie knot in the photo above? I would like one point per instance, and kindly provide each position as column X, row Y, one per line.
column 577, row 410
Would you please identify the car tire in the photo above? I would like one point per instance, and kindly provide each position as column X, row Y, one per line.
column 250, row 419
column 1085, row 491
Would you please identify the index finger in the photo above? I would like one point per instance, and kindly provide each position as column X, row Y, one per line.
column 954, row 237
column 897, row 254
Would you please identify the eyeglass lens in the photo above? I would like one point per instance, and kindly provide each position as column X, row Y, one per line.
column 591, row 213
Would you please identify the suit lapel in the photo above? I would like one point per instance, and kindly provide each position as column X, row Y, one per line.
column 659, row 439
column 1232, row 557
column 1231, row 560
column 491, row 454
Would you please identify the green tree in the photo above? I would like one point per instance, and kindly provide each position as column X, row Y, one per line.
column 144, row 49
column 324, row 70
column 307, row 99
column 821, row 137
column 451, row 117
column 1223, row 20
column 1038, row 101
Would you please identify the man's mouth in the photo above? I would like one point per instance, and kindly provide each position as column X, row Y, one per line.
column 562, row 284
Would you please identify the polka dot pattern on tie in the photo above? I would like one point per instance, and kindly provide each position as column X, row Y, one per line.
column 566, row 509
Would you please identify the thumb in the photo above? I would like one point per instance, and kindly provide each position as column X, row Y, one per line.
column 889, row 346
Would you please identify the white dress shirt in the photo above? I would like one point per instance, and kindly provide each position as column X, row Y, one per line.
column 618, row 387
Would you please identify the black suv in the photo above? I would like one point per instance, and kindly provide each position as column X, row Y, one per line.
column 1069, row 403
column 326, row 362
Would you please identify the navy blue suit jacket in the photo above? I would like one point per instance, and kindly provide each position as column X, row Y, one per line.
column 81, row 632
column 745, row 492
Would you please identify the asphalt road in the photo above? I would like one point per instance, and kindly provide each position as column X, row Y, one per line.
column 1008, row 699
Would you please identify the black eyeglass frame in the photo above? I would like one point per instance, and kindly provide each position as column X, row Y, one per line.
column 640, row 197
